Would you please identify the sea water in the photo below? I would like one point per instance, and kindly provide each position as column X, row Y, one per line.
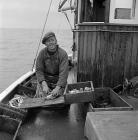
column 18, row 49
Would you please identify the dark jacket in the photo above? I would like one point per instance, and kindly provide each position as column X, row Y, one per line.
column 52, row 68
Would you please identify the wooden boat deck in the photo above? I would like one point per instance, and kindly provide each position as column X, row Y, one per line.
column 65, row 124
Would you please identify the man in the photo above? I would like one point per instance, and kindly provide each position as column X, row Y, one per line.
column 51, row 68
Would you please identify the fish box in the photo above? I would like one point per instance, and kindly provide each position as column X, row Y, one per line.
column 9, row 127
column 79, row 92
column 105, row 99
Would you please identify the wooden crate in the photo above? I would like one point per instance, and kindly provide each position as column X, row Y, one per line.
column 14, row 113
column 116, row 102
column 78, row 97
column 9, row 127
column 111, row 125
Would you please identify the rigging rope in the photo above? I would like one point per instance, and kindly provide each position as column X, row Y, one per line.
column 68, row 20
column 60, row 6
column 42, row 34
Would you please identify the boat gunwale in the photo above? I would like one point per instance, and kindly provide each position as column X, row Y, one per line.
column 8, row 90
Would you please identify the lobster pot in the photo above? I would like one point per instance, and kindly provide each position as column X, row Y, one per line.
column 14, row 113
column 9, row 127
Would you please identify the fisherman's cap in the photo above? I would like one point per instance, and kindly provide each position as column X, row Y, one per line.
column 47, row 35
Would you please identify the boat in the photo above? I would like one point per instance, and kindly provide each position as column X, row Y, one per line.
column 105, row 52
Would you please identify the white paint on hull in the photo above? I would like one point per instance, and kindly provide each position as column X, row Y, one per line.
column 15, row 84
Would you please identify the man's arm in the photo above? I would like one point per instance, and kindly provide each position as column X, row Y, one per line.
column 40, row 72
column 63, row 71
column 40, row 67
column 63, row 75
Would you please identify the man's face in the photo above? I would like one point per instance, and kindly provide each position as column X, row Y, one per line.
column 51, row 43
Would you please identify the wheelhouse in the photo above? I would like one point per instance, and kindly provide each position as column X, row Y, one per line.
column 105, row 40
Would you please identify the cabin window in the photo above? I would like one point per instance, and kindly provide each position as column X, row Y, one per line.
column 93, row 10
column 125, row 9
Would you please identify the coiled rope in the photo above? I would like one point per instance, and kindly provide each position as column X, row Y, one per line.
column 42, row 34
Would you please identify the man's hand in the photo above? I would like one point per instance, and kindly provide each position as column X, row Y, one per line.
column 42, row 90
column 45, row 87
column 55, row 92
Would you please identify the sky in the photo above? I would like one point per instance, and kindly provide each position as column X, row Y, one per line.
column 32, row 14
